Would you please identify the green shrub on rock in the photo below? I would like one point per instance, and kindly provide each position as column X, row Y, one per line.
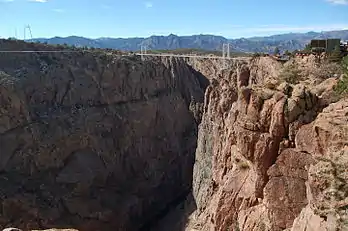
column 342, row 87
column 291, row 74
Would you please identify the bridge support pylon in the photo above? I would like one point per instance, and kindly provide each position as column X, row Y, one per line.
column 226, row 50
column 225, row 55
column 143, row 51
column 25, row 30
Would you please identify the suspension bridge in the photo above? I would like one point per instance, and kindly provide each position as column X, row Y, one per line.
column 142, row 54
column 226, row 51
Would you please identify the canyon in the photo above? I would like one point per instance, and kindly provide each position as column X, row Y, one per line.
column 94, row 141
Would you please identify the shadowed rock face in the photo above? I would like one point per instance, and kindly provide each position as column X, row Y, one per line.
column 94, row 142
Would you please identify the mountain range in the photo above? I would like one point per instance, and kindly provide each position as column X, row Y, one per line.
column 290, row 41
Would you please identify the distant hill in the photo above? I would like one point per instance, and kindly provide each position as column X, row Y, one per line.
column 290, row 41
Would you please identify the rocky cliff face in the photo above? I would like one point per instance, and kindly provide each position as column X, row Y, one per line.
column 97, row 142
column 266, row 160
column 94, row 142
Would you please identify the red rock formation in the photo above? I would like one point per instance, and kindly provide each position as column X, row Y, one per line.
column 253, row 155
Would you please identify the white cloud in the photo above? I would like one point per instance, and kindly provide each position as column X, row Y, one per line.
column 59, row 10
column 40, row 1
column 338, row 2
column 148, row 4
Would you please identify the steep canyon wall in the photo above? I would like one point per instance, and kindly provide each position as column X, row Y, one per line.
column 93, row 141
column 98, row 142
column 268, row 157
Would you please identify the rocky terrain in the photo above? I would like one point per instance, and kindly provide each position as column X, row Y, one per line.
column 92, row 141
column 270, row 159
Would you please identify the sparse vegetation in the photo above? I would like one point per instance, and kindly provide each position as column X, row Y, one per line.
column 235, row 226
column 288, row 53
column 342, row 87
column 308, row 47
column 241, row 164
column 276, row 51
column 291, row 74
column 325, row 70
column 336, row 55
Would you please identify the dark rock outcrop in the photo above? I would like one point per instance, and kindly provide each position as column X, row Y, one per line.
column 92, row 141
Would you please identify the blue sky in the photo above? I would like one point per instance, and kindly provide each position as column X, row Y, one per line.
column 131, row 18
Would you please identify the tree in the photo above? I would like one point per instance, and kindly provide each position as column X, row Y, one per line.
column 308, row 47
column 288, row 53
column 276, row 51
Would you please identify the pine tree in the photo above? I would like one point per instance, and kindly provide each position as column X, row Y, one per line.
column 276, row 51
column 288, row 53
column 308, row 47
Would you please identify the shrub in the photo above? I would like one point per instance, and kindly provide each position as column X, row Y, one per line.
column 276, row 51
column 341, row 88
column 291, row 74
column 288, row 53
column 241, row 164
column 326, row 70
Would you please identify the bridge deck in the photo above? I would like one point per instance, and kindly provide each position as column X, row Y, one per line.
column 190, row 56
column 137, row 54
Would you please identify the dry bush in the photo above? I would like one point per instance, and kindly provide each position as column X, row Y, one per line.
column 291, row 74
column 326, row 70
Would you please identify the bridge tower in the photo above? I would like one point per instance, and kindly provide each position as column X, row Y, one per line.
column 225, row 55
column 226, row 50
column 25, row 30
column 143, row 51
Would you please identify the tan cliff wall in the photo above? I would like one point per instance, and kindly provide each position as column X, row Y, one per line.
column 261, row 163
column 226, row 82
column 94, row 142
